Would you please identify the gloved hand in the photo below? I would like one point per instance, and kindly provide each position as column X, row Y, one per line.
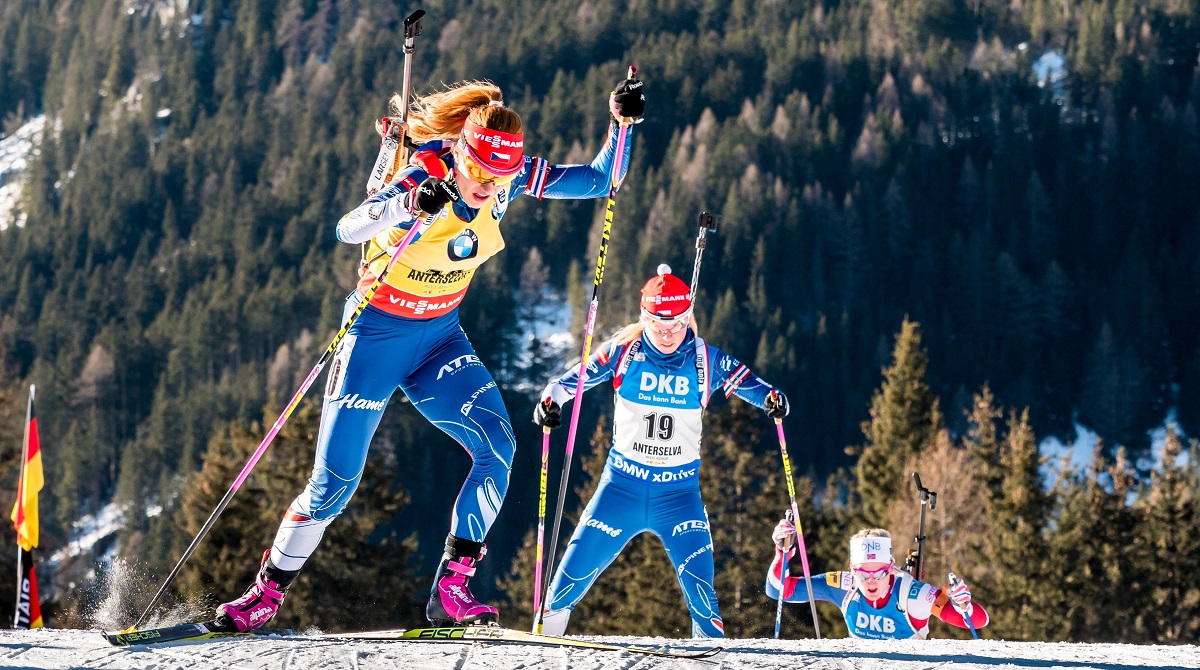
column 959, row 594
column 776, row 405
column 627, row 101
column 784, row 535
column 547, row 413
column 431, row 196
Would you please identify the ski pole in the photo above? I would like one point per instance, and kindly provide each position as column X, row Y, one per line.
column 783, row 577
column 787, row 473
column 589, row 330
column 414, row 233
column 954, row 580
column 708, row 224
column 929, row 498
column 541, row 532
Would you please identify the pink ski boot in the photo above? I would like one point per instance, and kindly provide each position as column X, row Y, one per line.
column 260, row 602
column 450, row 600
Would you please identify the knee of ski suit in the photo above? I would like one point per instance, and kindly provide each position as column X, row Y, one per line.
column 326, row 495
column 491, row 444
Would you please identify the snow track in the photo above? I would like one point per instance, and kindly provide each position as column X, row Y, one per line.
column 69, row 649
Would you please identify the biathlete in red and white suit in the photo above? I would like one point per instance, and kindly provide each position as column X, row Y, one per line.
column 663, row 376
column 878, row 601
column 467, row 173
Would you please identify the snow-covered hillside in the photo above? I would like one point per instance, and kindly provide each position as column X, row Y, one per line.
column 14, row 154
column 61, row 649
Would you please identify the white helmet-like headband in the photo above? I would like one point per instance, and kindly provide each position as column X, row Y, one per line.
column 870, row 550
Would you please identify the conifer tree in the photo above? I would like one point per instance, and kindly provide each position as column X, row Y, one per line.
column 905, row 420
column 983, row 441
column 1171, row 519
column 1013, row 548
column 1092, row 571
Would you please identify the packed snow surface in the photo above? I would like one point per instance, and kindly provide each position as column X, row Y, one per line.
column 87, row 649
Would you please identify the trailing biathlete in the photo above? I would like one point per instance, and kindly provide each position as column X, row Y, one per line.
column 878, row 601
column 663, row 376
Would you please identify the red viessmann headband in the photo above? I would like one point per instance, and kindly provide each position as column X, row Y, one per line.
column 499, row 152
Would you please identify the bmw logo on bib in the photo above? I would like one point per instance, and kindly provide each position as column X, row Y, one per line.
column 465, row 246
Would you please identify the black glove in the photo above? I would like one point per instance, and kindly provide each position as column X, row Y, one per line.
column 432, row 195
column 547, row 414
column 628, row 100
column 776, row 405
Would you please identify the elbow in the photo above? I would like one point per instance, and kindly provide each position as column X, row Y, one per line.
column 341, row 232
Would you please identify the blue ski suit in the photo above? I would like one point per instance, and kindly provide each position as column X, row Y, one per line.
column 904, row 613
column 651, row 479
column 409, row 338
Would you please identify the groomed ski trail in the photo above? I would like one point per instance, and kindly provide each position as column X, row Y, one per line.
column 68, row 649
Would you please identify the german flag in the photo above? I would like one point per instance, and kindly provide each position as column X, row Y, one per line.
column 25, row 518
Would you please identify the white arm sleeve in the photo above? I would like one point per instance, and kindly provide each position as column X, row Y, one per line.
column 558, row 393
column 375, row 215
column 921, row 607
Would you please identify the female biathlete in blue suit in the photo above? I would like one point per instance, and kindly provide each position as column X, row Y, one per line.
column 467, row 173
column 663, row 376
column 878, row 600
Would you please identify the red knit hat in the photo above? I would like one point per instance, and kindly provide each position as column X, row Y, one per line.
column 665, row 297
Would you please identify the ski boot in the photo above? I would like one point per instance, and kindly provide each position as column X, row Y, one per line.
column 260, row 602
column 450, row 600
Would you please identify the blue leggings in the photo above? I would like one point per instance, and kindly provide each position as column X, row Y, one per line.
column 622, row 508
column 435, row 365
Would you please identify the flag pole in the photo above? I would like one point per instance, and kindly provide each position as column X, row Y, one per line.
column 20, row 501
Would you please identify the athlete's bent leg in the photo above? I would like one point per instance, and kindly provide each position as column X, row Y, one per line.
column 356, row 394
column 681, row 522
column 457, row 394
column 615, row 514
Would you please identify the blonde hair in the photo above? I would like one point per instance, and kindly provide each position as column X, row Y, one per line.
column 870, row 532
column 441, row 115
column 626, row 334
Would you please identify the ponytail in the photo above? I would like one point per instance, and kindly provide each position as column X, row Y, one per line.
column 441, row 115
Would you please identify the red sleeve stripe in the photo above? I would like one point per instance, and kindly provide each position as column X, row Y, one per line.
column 537, row 178
column 622, row 365
column 735, row 380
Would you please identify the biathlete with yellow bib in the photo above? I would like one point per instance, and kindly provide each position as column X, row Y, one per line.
column 468, row 171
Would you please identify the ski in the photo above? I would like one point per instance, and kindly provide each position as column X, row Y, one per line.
column 208, row 630
column 499, row 635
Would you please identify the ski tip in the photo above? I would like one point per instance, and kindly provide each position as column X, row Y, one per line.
column 118, row 639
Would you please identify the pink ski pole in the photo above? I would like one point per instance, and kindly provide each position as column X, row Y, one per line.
column 589, row 331
column 787, row 473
